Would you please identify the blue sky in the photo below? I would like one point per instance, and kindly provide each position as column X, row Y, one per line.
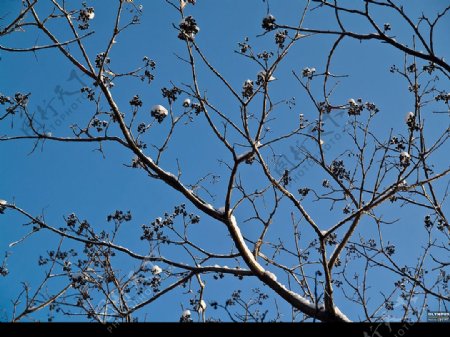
column 58, row 179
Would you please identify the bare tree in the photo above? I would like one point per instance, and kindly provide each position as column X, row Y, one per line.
column 313, row 231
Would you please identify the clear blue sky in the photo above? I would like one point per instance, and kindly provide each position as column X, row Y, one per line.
column 58, row 179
